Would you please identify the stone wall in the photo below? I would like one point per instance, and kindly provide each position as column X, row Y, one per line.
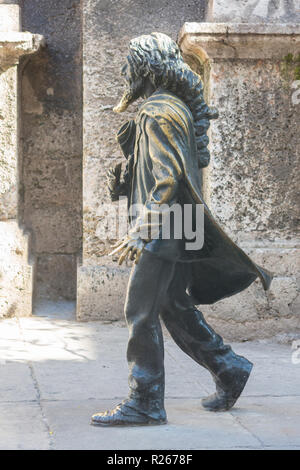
column 51, row 112
column 252, row 184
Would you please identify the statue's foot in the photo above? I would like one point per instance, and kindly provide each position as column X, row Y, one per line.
column 230, row 385
column 124, row 415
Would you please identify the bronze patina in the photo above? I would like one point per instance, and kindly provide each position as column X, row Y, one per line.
column 165, row 147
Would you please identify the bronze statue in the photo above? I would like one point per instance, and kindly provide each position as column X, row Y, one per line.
column 165, row 147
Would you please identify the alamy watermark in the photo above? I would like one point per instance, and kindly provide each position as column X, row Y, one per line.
column 152, row 221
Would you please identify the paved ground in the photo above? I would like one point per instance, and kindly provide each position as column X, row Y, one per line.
column 56, row 372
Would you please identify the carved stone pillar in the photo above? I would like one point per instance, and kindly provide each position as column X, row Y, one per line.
column 252, row 184
column 15, row 267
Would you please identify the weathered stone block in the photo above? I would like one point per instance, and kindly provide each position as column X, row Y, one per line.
column 51, row 117
column 254, row 11
column 101, row 292
column 8, row 144
column 15, row 45
column 55, row 277
column 55, row 229
column 15, row 271
column 9, row 18
column 254, row 150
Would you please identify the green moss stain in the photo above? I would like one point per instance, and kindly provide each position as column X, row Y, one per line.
column 297, row 72
column 290, row 67
column 288, row 58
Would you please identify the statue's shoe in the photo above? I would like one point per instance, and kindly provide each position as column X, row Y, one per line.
column 123, row 415
column 230, row 385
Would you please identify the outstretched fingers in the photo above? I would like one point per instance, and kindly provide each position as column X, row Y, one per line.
column 128, row 248
column 119, row 246
column 124, row 254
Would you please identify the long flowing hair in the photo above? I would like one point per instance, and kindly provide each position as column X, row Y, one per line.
column 157, row 57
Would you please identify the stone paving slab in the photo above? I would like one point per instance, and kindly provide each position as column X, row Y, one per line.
column 16, row 384
column 22, row 427
column 55, row 373
column 275, row 421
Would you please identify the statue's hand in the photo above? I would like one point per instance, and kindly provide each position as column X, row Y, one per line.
column 113, row 177
column 130, row 248
column 115, row 173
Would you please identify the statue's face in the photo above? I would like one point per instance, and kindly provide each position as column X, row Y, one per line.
column 133, row 88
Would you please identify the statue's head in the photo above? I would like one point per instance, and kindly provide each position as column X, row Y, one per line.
column 155, row 61
column 151, row 58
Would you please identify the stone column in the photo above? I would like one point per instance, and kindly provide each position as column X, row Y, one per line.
column 101, row 283
column 251, row 73
column 15, row 267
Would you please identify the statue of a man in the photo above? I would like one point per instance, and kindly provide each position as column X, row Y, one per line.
column 165, row 147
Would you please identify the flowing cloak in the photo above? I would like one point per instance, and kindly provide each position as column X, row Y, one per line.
column 163, row 168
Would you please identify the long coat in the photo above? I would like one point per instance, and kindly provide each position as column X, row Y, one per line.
column 162, row 169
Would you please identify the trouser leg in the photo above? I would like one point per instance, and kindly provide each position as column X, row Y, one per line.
column 196, row 337
column 191, row 332
column 146, row 293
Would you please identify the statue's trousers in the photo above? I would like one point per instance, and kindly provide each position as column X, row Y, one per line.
column 157, row 287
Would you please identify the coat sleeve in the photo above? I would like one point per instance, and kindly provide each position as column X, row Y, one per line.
column 163, row 143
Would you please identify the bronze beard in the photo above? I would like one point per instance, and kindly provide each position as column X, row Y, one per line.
column 133, row 91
